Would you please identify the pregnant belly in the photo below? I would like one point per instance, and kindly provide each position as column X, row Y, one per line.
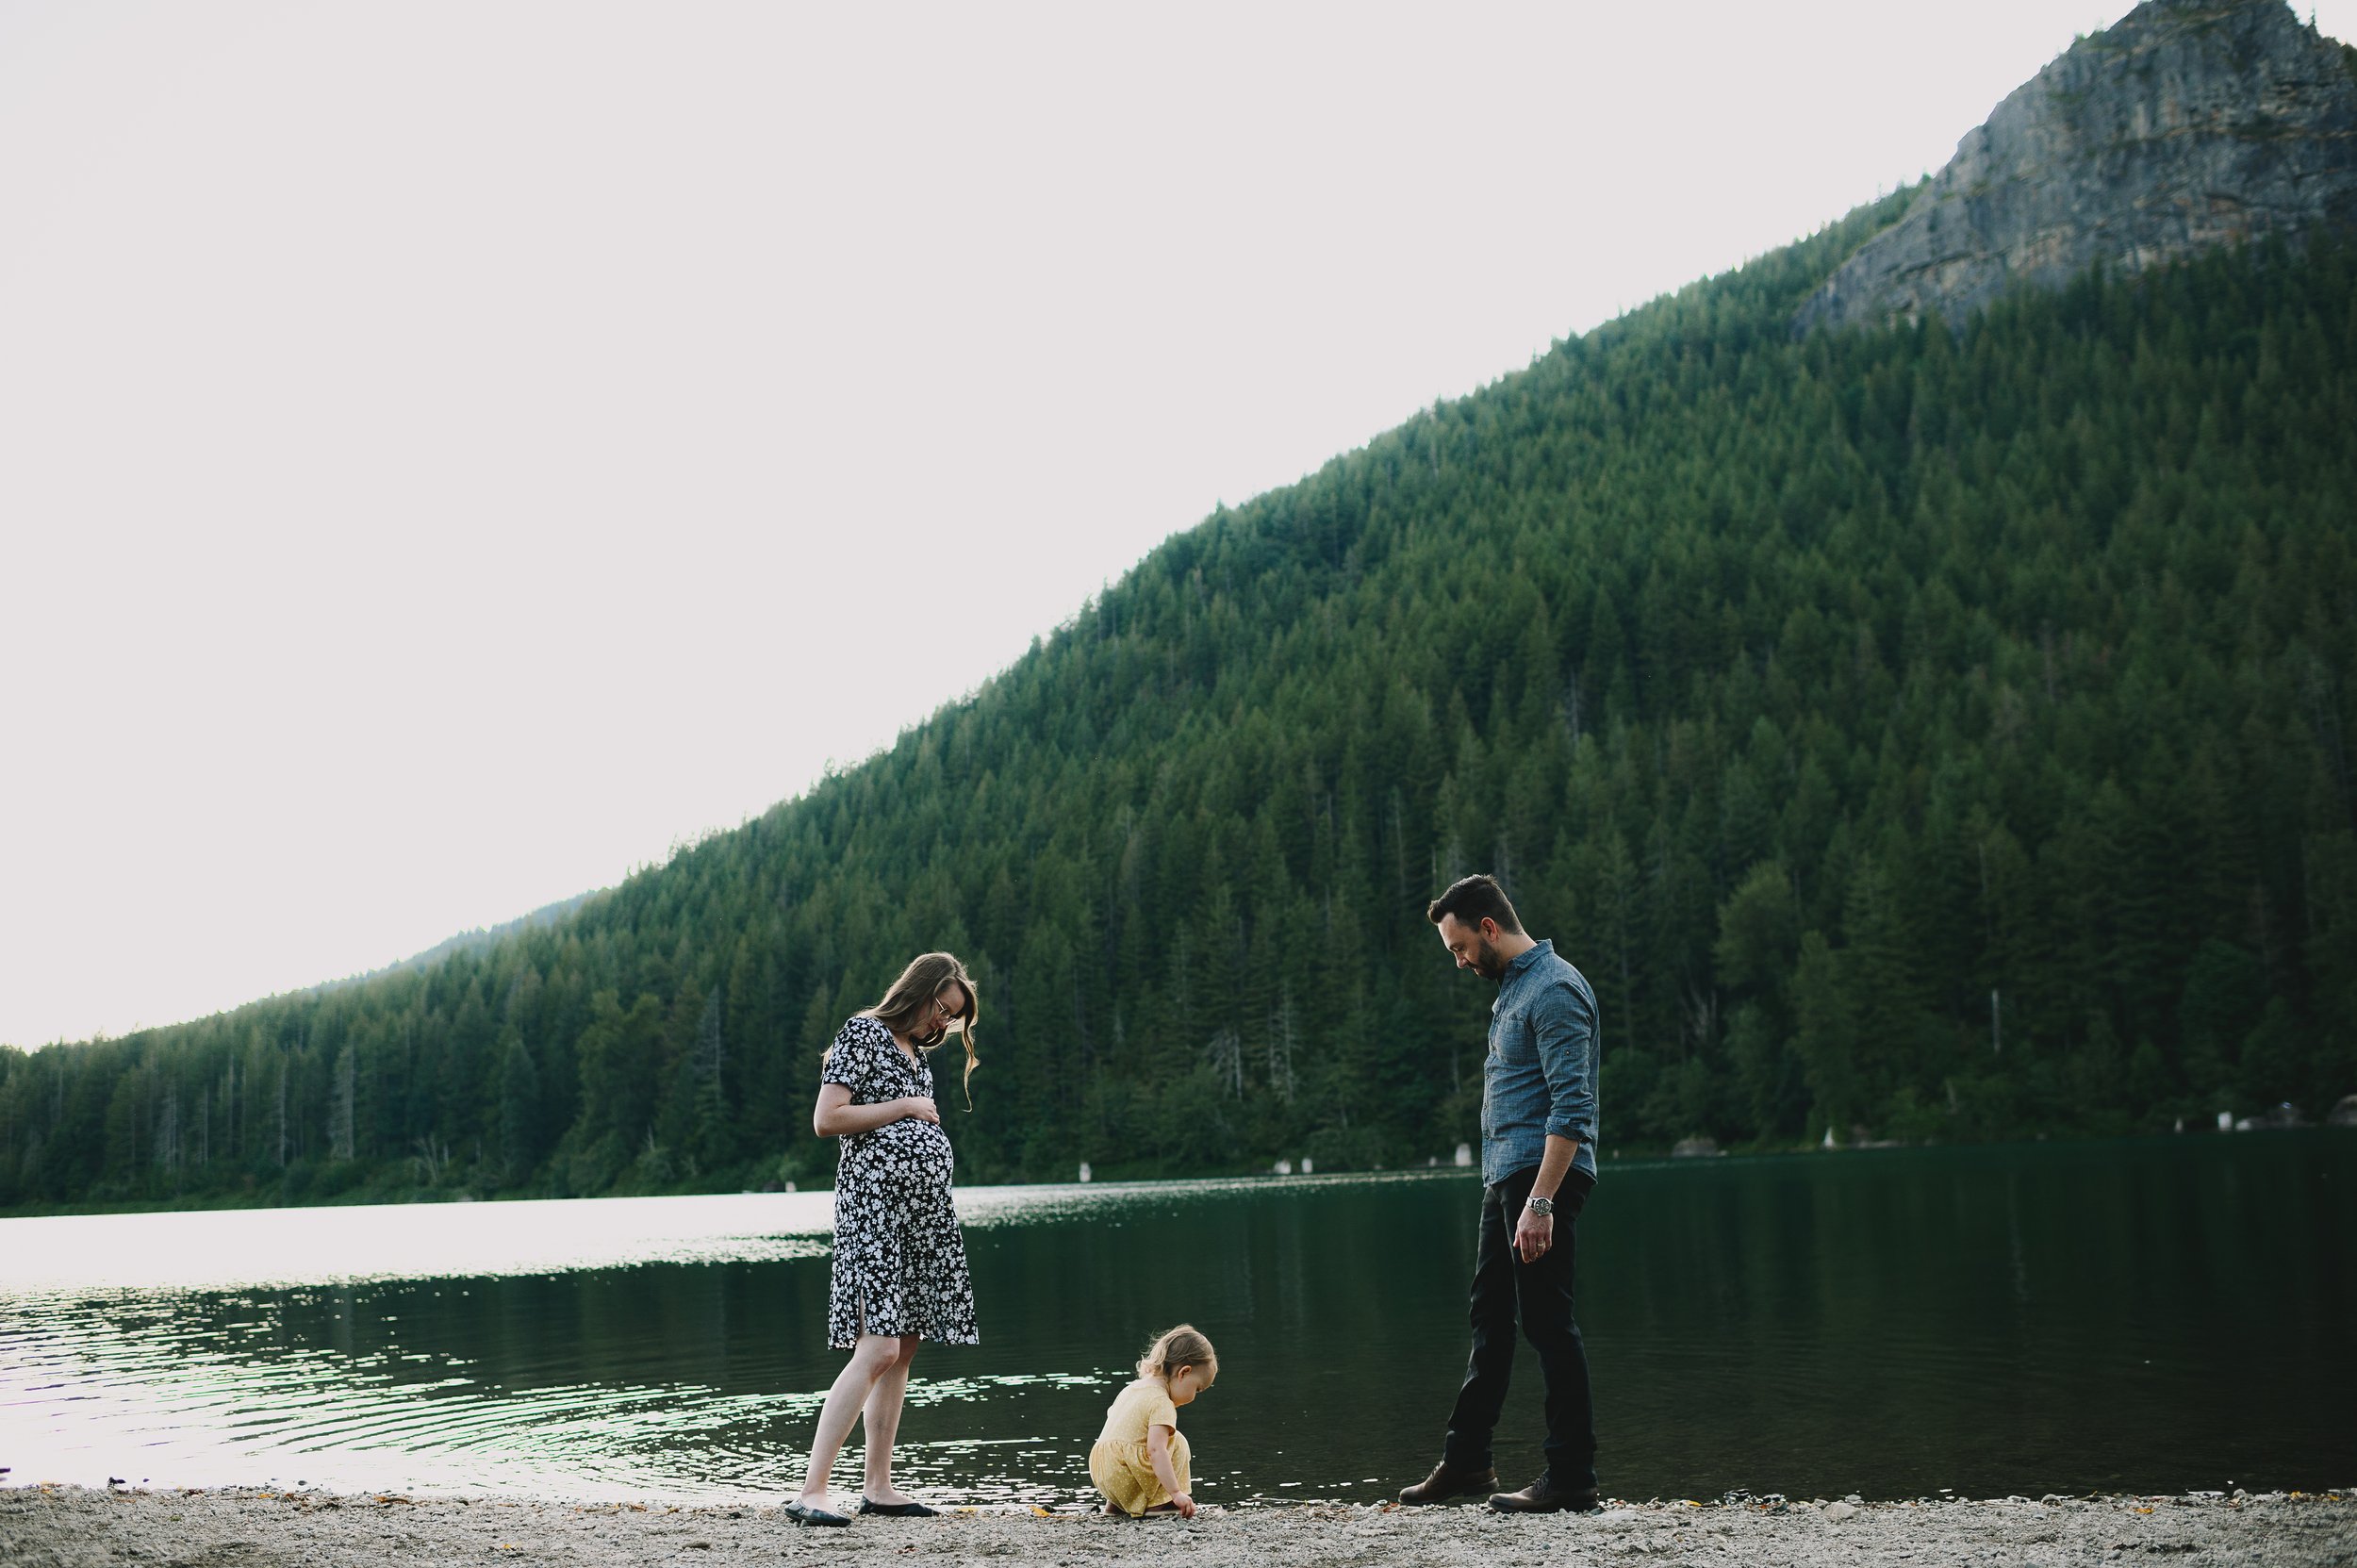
column 909, row 1151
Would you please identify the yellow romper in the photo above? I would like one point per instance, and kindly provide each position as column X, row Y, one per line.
column 1119, row 1464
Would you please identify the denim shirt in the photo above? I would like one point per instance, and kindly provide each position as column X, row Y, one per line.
column 1541, row 1074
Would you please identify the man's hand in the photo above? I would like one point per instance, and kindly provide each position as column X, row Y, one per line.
column 1533, row 1235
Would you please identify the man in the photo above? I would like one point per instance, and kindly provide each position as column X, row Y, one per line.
column 1538, row 1164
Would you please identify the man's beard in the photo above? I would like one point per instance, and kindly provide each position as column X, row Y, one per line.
column 1486, row 963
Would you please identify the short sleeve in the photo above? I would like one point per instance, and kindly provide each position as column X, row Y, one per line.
column 851, row 1060
column 1160, row 1411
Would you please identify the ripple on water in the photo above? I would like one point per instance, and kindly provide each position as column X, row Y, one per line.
column 1892, row 1324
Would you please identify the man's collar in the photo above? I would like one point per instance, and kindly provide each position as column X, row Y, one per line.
column 1522, row 960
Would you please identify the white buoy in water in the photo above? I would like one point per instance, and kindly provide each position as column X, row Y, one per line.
column 1828, row 1142
column 1465, row 1155
column 1085, row 1172
column 2226, row 1121
column 1307, row 1165
column 1284, row 1167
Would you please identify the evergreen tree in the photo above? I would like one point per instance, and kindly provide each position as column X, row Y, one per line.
column 1942, row 733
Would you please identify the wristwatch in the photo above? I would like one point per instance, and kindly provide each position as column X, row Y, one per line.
column 1542, row 1207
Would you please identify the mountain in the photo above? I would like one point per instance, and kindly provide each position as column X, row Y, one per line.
column 1913, row 732
column 2189, row 124
column 481, row 939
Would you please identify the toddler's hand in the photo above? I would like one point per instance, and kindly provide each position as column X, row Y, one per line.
column 1184, row 1504
column 919, row 1107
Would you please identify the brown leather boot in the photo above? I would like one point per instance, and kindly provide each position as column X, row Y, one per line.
column 1544, row 1496
column 1448, row 1480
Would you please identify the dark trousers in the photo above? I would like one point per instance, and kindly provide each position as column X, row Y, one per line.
column 1538, row 1295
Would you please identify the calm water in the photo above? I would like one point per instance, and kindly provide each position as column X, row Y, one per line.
column 2143, row 1317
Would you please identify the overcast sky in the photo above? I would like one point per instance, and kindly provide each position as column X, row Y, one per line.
column 449, row 452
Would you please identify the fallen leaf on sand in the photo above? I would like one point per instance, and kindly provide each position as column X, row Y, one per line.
column 1044, row 1513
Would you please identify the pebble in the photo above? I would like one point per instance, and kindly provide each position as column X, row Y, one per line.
column 56, row 1527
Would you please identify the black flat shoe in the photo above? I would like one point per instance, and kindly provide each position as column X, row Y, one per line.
column 899, row 1511
column 802, row 1513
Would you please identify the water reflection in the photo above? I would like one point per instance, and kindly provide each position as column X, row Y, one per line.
column 249, row 1248
column 2142, row 1315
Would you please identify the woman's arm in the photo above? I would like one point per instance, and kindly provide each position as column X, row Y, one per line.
column 1158, row 1454
column 836, row 1117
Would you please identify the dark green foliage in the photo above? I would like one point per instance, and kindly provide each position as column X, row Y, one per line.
column 1933, row 734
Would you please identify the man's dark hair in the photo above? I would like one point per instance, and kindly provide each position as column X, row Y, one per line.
column 1474, row 899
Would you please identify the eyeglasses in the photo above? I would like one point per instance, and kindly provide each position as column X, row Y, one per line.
column 945, row 1012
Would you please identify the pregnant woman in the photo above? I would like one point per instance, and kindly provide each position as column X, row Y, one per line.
column 899, row 1263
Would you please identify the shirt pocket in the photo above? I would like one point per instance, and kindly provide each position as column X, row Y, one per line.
column 1513, row 1041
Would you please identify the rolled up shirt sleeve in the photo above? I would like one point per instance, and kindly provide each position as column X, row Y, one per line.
column 1564, row 1023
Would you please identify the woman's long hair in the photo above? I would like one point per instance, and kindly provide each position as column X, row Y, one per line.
column 908, row 1010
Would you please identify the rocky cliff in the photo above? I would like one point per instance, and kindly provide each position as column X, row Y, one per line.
column 2189, row 124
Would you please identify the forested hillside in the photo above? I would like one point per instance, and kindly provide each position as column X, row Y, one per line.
column 1910, row 732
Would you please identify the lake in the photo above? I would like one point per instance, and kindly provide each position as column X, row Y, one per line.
column 2149, row 1316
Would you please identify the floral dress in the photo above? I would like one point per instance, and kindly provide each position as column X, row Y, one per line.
column 900, row 1260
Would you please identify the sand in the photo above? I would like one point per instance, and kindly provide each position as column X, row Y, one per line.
column 62, row 1527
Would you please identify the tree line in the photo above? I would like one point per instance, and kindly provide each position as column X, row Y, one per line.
column 1915, row 733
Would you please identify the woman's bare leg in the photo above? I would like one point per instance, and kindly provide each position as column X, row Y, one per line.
column 882, row 1420
column 871, row 1355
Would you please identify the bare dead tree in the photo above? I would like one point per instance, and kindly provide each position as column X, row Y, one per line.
column 1284, row 1034
column 1224, row 1054
column 431, row 1160
column 285, row 1069
column 339, row 1114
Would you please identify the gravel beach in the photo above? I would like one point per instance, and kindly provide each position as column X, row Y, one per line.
column 60, row 1527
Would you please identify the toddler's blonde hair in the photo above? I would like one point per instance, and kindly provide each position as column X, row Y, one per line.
column 1176, row 1347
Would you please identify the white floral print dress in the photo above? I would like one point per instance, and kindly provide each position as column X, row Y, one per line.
column 899, row 1260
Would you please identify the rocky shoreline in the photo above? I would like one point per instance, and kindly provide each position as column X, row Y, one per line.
column 62, row 1527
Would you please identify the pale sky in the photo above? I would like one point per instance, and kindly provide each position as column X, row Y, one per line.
column 449, row 452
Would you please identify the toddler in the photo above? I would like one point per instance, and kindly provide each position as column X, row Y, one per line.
column 1140, row 1461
